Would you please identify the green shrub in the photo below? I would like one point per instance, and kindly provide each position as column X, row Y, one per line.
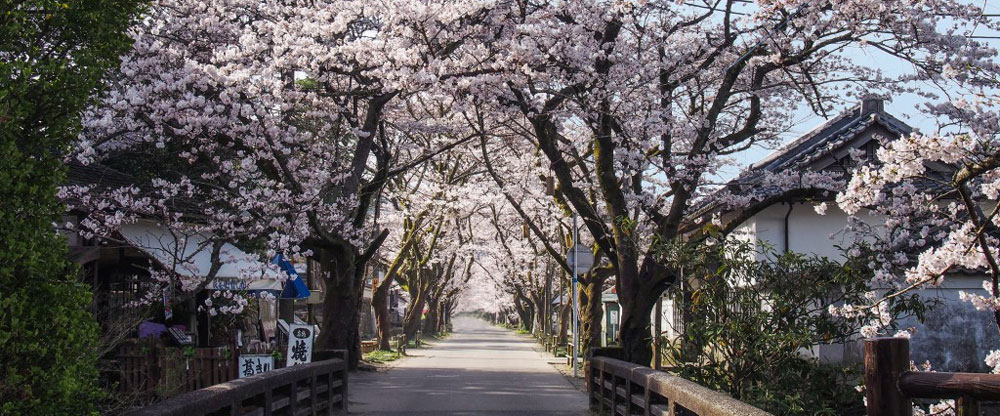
column 47, row 336
column 54, row 54
column 750, row 314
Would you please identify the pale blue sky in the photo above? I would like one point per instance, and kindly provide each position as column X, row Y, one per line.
column 904, row 107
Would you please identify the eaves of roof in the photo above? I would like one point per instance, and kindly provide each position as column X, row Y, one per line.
column 103, row 178
column 811, row 147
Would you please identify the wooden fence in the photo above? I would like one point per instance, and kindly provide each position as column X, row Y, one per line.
column 399, row 340
column 369, row 346
column 149, row 368
column 316, row 388
column 890, row 386
column 623, row 388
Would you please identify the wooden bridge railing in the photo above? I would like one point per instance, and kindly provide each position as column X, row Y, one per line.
column 622, row 388
column 316, row 388
column 890, row 386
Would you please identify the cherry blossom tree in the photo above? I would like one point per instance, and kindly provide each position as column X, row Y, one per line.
column 429, row 211
column 271, row 124
column 537, row 218
column 937, row 193
column 279, row 125
column 665, row 92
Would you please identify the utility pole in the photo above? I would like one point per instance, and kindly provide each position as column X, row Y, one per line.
column 576, row 317
column 562, row 297
column 547, row 309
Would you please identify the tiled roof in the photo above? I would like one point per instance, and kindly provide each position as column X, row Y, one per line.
column 97, row 175
column 823, row 140
column 104, row 178
column 829, row 136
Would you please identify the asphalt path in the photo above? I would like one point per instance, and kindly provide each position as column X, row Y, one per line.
column 478, row 370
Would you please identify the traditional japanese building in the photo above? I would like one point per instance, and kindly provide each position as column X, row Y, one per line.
column 954, row 336
column 120, row 268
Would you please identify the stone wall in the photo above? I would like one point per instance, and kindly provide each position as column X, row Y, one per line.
column 955, row 337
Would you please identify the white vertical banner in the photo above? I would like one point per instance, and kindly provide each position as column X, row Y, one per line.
column 300, row 344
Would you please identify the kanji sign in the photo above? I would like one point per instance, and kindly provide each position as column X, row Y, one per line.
column 300, row 344
column 251, row 364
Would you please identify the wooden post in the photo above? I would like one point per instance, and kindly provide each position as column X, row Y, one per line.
column 885, row 360
column 286, row 310
column 967, row 406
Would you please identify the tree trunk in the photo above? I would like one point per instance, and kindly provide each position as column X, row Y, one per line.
column 439, row 325
column 380, row 296
column 547, row 303
column 411, row 322
column 591, row 314
column 539, row 326
column 341, row 306
column 635, row 330
column 523, row 312
column 564, row 317
column 431, row 320
column 444, row 316
column 383, row 325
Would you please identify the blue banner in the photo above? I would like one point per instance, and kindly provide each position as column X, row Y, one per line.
column 294, row 288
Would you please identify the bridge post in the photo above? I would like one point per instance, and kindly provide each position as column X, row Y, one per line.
column 885, row 360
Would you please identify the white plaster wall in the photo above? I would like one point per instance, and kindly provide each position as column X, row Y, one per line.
column 769, row 227
column 808, row 232
column 668, row 324
column 72, row 236
column 746, row 232
column 954, row 336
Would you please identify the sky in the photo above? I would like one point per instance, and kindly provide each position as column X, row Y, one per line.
column 905, row 107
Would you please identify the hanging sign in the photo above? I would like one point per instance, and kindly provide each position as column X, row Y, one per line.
column 300, row 344
column 251, row 364
column 168, row 310
column 582, row 257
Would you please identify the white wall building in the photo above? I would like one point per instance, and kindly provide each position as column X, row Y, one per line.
column 953, row 337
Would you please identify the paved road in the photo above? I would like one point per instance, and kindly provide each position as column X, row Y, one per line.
column 478, row 370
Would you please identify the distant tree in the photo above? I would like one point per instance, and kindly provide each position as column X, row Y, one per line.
column 429, row 211
column 544, row 224
column 53, row 55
